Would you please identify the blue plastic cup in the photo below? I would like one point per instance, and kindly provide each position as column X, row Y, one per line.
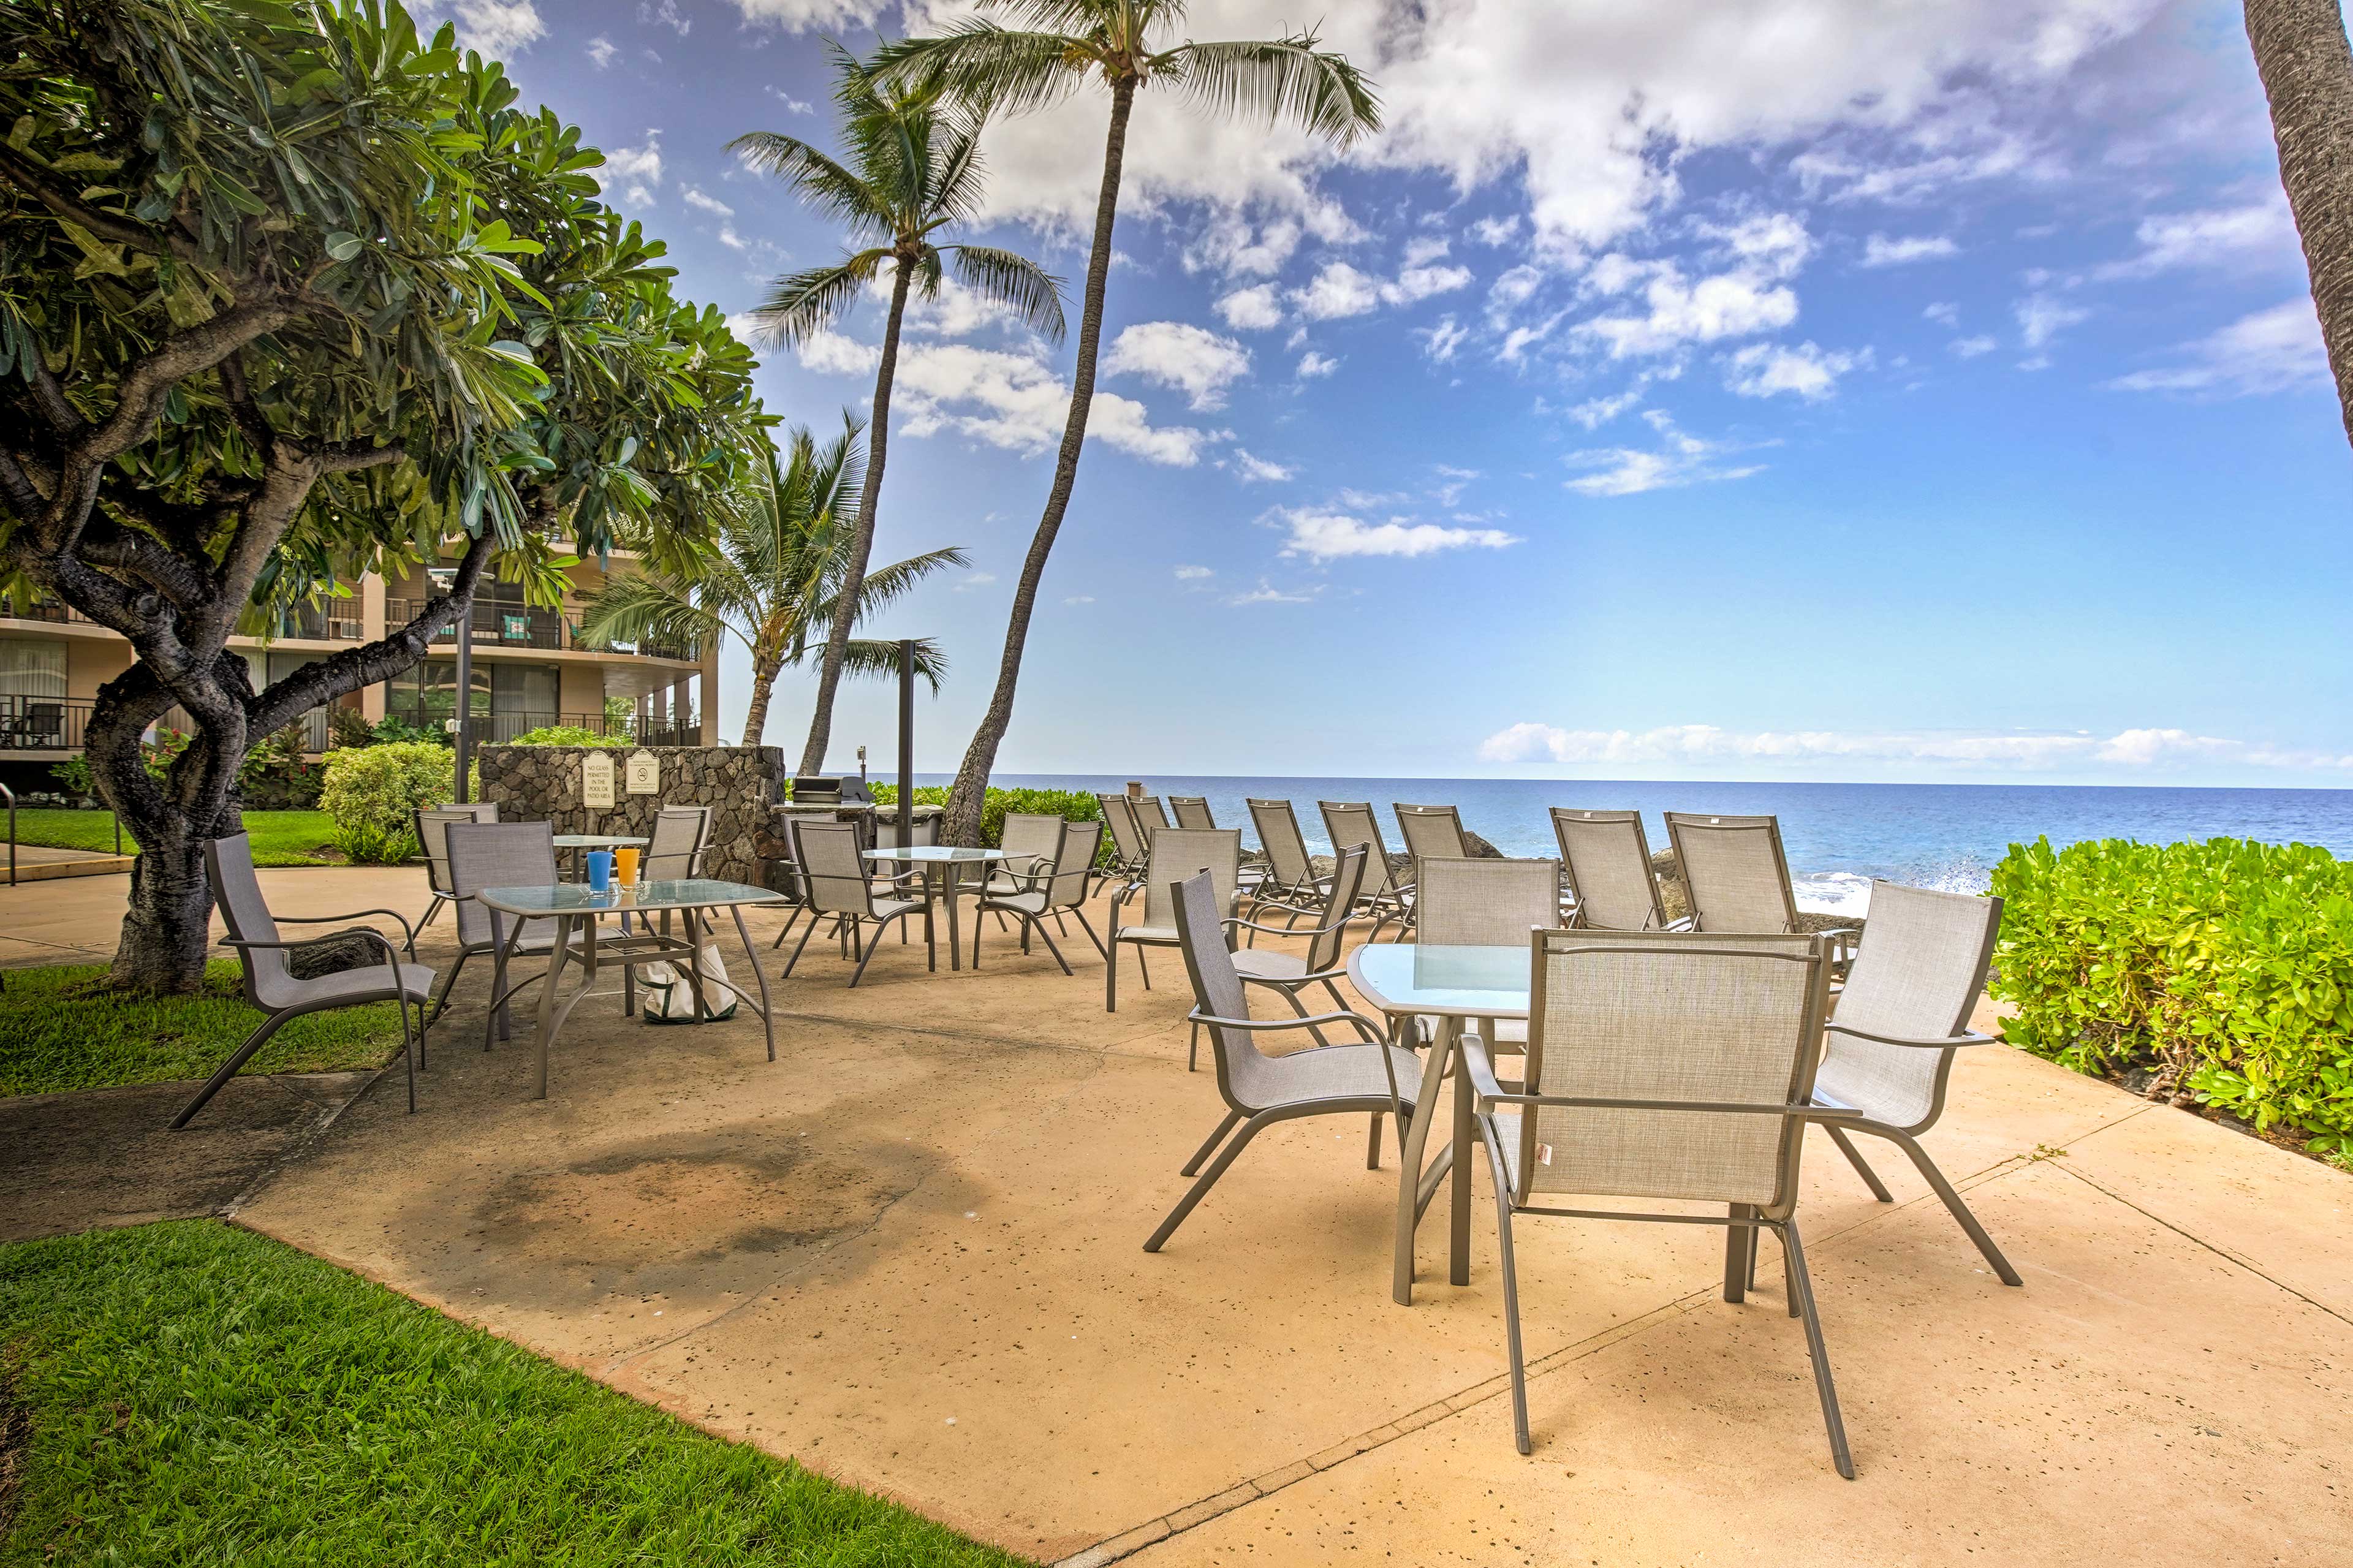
column 600, row 870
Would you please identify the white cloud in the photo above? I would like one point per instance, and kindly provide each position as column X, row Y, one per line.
column 731, row 239
column 495, row 28
column 1422, row 249
column 1879, row 251
column 1706, row 745
column 2218, row 236
column 1338, row 290
column 1727, row 305
column 1229, row 244
column 666, row 13
column 1177, row 353
column 805, row 16
column 1679, row 460
column 1596, row 412
column 638, row 171
column 1194, row 574
column 1944, row 312
column 1763, row 370
column 1080, row 599
column 1267, row 594
column 2041, row 317
column 2265, row 351
column 1251, row 310
column 1442, row 341
column 1969, row 348
column 1331, row 535
column 1313, row 365
column 601, row 52
column 712, row 205
column 1496, row 231
column 1258, row 470
column 974, row 580
column 794, row 105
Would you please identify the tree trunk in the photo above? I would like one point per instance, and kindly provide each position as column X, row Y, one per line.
column 964, row 801
column 853, row 583
column 2306, row 67
column 764, row 685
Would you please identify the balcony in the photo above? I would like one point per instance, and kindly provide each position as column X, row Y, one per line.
column 41, row 723
column 337, row 621
column 500, row 729
column 519, row 627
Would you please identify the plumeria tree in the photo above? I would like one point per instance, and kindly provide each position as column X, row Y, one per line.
column 288, row 291
column 911, row 169
column 1057, row 47
column 778, row 572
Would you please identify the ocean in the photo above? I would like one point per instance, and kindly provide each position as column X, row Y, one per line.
column 1838, row 836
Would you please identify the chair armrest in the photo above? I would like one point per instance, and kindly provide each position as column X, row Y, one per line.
column 406, row 930
column 244, row 945
column 1278, row 931
column 1966, row 1037
column 1377, row 1032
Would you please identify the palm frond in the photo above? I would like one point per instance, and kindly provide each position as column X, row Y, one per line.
column 960, row 178
column 989, row 68
column 817, row 179
column 868, row 660
column 1034, row 293
column 884, row 586
column 645, row 606
column 1278, row 79
column 803, row 304
column 1071, row 16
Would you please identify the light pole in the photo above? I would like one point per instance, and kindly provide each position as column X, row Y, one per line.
column 907, row 746
column 446, row 578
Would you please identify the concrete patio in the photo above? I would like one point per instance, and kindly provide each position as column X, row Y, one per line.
column 909, row 1254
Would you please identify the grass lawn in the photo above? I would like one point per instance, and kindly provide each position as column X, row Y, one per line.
column 279, row 838
column 197, row 1393
column 60, row 1028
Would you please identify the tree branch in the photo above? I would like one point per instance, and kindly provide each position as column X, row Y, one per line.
column 23, row 496
column 339, row 674
column 356, row 456
column 27, row 176
column 119, row 549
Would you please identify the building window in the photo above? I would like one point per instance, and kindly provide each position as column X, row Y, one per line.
column 32, row 667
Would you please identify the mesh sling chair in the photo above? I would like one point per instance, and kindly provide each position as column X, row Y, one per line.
column 271, row 984
column 1052, row 884
column 1130, row 851
column 1905, row 1010
column 1433, row 831
column 1151, row 816
column 1291, row 877
column 1289, row 973
column 833, row 868
column 498, row 855
column 1192, row 813
column 1465, row 902
column 1604, row 857
column 1356, row 1077
column 430, row 824
column 1383, row 897
column 1736, row 877
column 1668, row 1067
column 1176, row 854
column 681, row 836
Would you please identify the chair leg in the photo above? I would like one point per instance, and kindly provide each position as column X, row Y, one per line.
column 791, row 916
column 1111, row 974
column 1039, row 926
column 1960, row 1210
column 1193, row 1050
column 449, row 983
column 1739, row 1255
column 1373, row 1145
column 1802, row 1286
column 1510, row 1289
column 1193, row 1166
column 228, row 1070
column 430, row 910
column 1201, row 1188
column 409, row 1049
column 1089, row 930
column 1854, row 1157
column 795, row 958
column 866, row 954
column 1143, row 968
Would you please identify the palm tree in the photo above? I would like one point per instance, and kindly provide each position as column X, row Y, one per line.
column 779, row 568
column 2306, row 66
column 1125, row 45
column 913, row 167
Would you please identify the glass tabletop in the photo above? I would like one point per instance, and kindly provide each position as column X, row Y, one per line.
column 596, row 841
column 1461, row 982
column 579, row 899
column 937, row 855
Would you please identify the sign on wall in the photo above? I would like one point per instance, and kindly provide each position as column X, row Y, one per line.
column 645, row 774
column 596, row 779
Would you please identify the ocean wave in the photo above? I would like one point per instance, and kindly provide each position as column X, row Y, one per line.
column 1849, row 892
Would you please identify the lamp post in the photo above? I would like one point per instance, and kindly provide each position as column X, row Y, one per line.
column 907, row 745
column 445, row 578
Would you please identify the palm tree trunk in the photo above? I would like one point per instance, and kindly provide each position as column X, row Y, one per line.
column 2301, row 55
column 845, row 614
column 964, row 801
column 764, row 683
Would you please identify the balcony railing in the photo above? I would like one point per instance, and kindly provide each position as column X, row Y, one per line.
column 515, row 625
column 41, row 723
column 325, row 622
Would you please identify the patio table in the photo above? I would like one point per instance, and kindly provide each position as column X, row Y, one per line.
column 950, row 862
column 579, row 909
column 1403, row 980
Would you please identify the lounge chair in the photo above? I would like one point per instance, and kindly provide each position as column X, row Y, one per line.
column 270, row 985
column 1365, row 1075
column 1737, row 878
column 1905, row 1010
column 1383, row 899
column 1669, row 1067
column 1176, row 854
column 1192, row 811
column 1291, row 879
column 1131, row 851
column 1604, row 859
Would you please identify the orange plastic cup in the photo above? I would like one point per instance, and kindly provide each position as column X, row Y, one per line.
column 624, row 864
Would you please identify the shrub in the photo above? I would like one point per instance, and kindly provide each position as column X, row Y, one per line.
column 348, row 727
column 1071, row 805
column 276, row 776
column 74, row 773
column 393, row 729
column 567, row 735
column 370, row 792
column 2225, row 967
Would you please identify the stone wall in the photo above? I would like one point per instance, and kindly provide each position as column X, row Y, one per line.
column 542, row 784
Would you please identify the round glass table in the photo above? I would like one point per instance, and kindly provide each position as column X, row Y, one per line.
column 948, row 861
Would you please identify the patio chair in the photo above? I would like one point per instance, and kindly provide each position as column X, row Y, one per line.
column 1466, row 902
column 1605, row 860
column 834, row 869
column 1433, row 831
column 270, row 985
column 1291, row 877
column 1737, row 878
column 1192, row 812
column 1177, row 853
column 1130, row 852
column 1905, row 1011
column 431, row 823
column 1052, row 884
column 498, row 855
column 1671, row 1068
column 680, row 838
column 1289, row 973
column 1151, row 816
column 39, row 724
column 1383, row 898
column 1365, row 1075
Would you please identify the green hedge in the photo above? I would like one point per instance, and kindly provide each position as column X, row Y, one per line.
column 2225, row 966
column 1071, row 805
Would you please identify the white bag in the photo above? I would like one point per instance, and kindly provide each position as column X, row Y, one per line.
column 669, row 994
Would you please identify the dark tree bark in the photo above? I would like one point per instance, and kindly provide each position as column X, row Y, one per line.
column 964, row 801
column 845, row 614
column 2306, row 66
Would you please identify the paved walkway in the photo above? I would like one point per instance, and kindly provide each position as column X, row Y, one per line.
column 909, row 1253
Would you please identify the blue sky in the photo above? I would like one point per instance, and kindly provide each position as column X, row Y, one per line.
column 1800, row 389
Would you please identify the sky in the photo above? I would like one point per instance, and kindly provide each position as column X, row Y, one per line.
column 1763, row 389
